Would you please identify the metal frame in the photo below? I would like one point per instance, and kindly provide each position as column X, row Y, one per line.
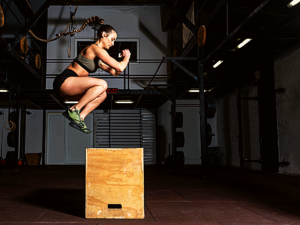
column 29, row 24
column 180, row 16
column 237, row 29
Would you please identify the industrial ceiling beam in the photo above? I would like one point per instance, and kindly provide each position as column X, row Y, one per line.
column 163, row 93
column 190, row 45
column 184, row 69
column 237, row 29
column 215, row 12
column 180, row 16
column 29, row 24
column 3, row 45
column 24, row 8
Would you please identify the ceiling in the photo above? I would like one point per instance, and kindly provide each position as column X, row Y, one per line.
column 273, row 28
column 109, row 2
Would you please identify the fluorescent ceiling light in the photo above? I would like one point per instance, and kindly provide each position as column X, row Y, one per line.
column 124, row 102
column 245, row 42
column 3, row 90
column 196, row 90
column 293, row 3
column 70, row 102
column 217, row 64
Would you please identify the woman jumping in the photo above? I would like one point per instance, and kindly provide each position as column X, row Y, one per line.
column 74, row 83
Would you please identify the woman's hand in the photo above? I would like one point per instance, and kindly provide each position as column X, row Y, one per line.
column 125, row 53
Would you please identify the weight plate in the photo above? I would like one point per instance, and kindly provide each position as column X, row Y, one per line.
column 179, row 138
column 210, row 106
column 24, row 45
column 38, row 61
column 1, row 17
column 179, row 120
column 201, row 36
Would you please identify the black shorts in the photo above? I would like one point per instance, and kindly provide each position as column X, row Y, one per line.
column 59, row 79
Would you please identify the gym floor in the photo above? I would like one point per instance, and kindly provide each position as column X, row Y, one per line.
column 56, row 195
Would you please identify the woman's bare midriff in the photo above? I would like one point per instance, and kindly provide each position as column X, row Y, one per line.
column 78, row 69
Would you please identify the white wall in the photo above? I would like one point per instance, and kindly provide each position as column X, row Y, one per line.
column 287, row 70
column 34, row 132
column 130, row 22
column 228, row 130
column 191, row 129
column 4, row 148
column 33, row 136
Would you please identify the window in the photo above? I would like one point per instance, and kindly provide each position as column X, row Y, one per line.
column 120, row 44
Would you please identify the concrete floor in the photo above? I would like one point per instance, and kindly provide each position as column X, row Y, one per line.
column 56, row 195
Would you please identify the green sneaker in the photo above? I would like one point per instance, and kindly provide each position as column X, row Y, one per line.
column 74, row 117
column 83, row 129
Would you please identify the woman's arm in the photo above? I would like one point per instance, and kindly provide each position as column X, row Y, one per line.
column 119, row 67
column 108, row 69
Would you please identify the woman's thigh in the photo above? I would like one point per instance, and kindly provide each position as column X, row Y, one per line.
column 77, row 86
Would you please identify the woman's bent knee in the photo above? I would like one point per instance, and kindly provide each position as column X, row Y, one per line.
column 103, row 84
column 102, row 96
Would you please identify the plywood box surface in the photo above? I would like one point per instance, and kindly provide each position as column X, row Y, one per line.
column 114, row 183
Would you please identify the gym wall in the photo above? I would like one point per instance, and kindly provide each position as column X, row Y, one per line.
column 228, row 130
column 287, row 70
column 4, row 148
column 33, row 136
column 191, row 130
column 130, row 22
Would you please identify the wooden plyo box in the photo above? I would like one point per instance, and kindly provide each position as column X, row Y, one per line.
column 114, row 183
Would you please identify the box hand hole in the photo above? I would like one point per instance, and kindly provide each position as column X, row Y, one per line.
column 114, row 206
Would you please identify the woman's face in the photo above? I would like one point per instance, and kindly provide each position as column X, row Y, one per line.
column 109, row 40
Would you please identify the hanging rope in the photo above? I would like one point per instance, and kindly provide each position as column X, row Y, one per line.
column 93, row 19
column 12, row 125
column 43, row 40
column 29, row 6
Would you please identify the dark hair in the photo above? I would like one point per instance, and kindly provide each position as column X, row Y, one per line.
column 91, row 20
column 105, row 28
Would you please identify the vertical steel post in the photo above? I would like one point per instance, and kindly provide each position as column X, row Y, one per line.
column 227, row 24
column 259, row 123
column 17, row 107
column 23, row 132
column 43, row 86
column 44, row 123
column 173, row 107
column 128, row 76
column 204, row 154
column 124, row 79
column 240, row 124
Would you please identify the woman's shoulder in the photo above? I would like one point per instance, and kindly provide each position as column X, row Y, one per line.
column 91, row 50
